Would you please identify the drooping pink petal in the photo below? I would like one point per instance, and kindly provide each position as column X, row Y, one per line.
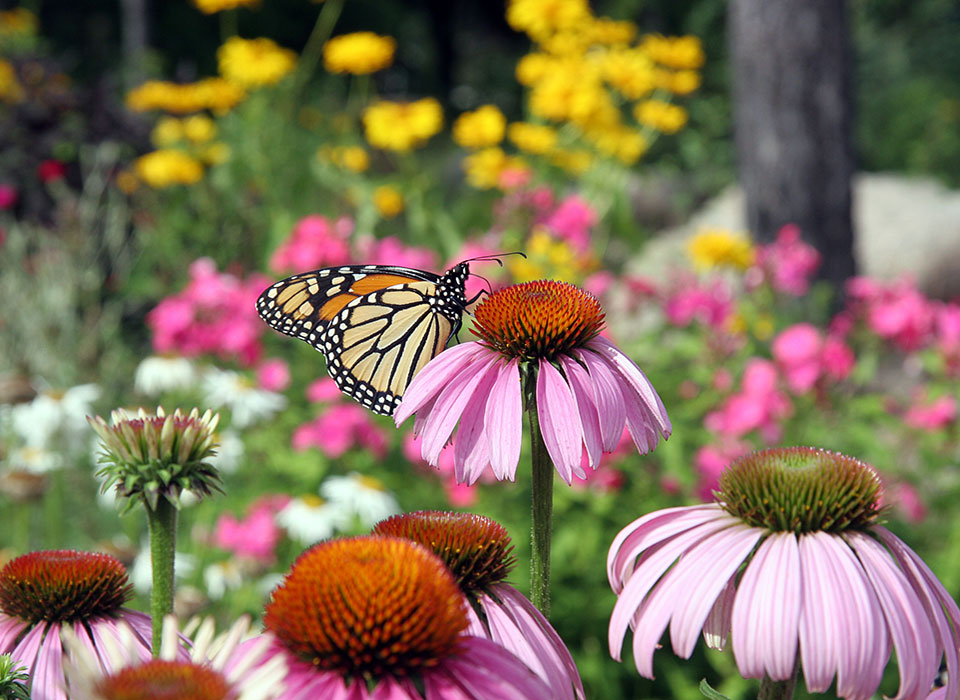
column 10, row 629
column 470, row 452
column 486, row 670
column 26, row 651
column 432, row 379
column 646, row 531
column 46, row 675
column 503, row 421
column 907, row 622
column 559, row 421
column 939, row 604
column 635, row 377
column 716, row 627
column 449, row 406
column 608, row 398
column 766, row 610
column 583, row 395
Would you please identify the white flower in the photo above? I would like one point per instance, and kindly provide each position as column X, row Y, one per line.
column 247, row 403
column 54, row 414
column 222, row 576
column 36, row 460
column 229, row 452
column 157, row 374
column 309, row 519
column 359, row 496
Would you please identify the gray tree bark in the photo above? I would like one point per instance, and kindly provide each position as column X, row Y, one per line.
column 791, row 63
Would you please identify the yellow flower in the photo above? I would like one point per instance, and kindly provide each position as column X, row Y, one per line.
column 534, row 67
column 604, row 30
column 763, row 327
column 483, row 168
column 661, row 116
column 18, row 22
column 254, row 62
column 353, row 158
column 388, row 201
column 401, row 126
column 215, row 153
column 622, row 143
column 533, row 138
column 166, row 132
column 719, row 248
column 127, row 182
column 480, row 128
column 575, row 162
column 216, row 94
column 209, row 7
column 680, row 82
column 359, row 53
column 574, row 94
column 10, row 89
column 629, row 71
column 199, row 128
column 541, row 18
column 675, row 51
column 549, row 258
column 168, row 167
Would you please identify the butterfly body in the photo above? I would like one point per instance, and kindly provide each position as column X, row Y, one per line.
column 376, row 325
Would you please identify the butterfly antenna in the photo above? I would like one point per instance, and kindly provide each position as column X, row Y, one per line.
column 496, row 257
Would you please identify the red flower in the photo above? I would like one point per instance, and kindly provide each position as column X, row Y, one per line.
column 50, row 170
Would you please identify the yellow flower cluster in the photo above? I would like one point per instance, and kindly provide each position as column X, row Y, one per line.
column 388, row 201
column 17, row 22
column 215, row 94
column 253, row 63
column 10, row 89
column 359, row 53
column 402, row 126
column 197, row 129
column 582, row 71
column 533, row 138
column 168, row 167
column 711, row 248
column 352, row 158
column 549, row 258
column 209, row 7
column 483, row 127
column 485, row 167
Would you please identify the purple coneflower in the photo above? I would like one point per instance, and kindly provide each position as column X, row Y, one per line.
column 42, row 594
column 478, row 552
column 218, row 668
column 791, row 563
column 382, row 617
column 585, row 388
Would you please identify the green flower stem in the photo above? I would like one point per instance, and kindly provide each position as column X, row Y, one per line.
column 780, row 690
column 310, row 56
column 542, row 507
column 163, row 546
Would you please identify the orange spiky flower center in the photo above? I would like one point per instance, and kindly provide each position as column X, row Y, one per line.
column 63, row 586
column 801, row 489
column 538, row 320
column 369, row 607
column 476, row 549
column 165, row 680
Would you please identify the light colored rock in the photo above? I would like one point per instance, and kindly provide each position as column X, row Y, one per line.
column 903, row 226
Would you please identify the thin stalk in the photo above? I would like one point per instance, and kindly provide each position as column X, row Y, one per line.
column 780, row 690
column 310, row 56
column 163, row 546
column 541, row 525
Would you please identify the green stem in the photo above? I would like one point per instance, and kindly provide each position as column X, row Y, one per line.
column 542, row 505
column 310, row 56
column 780, row 690
column 163, row 546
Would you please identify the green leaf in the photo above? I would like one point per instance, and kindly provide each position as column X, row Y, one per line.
column 709, row 692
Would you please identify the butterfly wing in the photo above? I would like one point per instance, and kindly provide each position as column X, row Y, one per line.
column 376, row 325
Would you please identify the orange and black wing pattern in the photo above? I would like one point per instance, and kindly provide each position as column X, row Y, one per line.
column 376, row 325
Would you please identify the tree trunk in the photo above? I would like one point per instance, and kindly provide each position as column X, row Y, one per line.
column 792, row 113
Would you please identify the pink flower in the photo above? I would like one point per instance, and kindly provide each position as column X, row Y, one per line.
column 479, row 553
column 711, row 460
column 931, row 415
column 587, row 402
column 418, row 609
column 792, row 566
column 273, row 374
column 392, row 251
column 709, row 303
column 948, row 337
column 314, row 243
column 571, row 221
column 760, row 405
column 898, row 312
column 906, row 501
column 323, row 389
column 341, row 427
column 788, row 263
column 44, row 594
column 459, row 495
column 8, row 196
column 515, row 178
column 256, row 536
column 836, row 358
column 804, row 356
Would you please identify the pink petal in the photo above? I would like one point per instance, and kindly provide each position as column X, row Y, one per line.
column 559, row 421
column 486, row 670
column 449, row 406
column 766, row 611
column 583, row 396
column 918, row 657
column 26, row 651
column 716, row 627
column 470, row 453
column 10, row 629
column 608, row 398
column 635, row 377
column 47, row 673
column 503, row 422
column 436, row 375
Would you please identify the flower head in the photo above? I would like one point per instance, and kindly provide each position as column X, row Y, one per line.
column 791, row 562
column 586, row 389
column 387, row 620
column 359, row 53
column 478, row 552
column 254, row 62
column 717, row 248
column 483, row 127
column 45, row 595
column 149, row 456
column 402, row 126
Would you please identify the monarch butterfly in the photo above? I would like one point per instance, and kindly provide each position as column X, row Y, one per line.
column 376, row 325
